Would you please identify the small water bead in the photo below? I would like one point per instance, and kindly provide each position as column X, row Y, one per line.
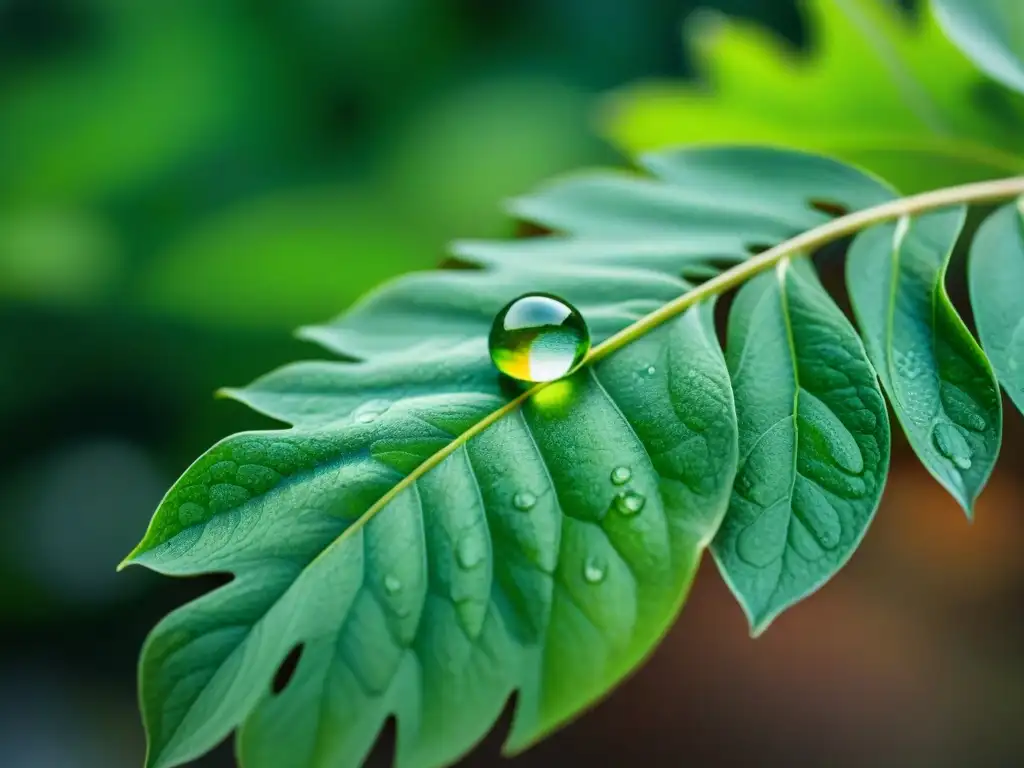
column 524, row 501
column 392, row 585
column 951, row 443
column 621, row 475
column 629, row 503
column 538, row 337
column 651, row 370
column 370, row 411
column 470, row 552
column 594, row 570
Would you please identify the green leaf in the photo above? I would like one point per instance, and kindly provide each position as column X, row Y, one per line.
column 990, row 32
column 938, row 380
column 814, row 442
column 431, row 538
column 996, row 269
column 875, row 89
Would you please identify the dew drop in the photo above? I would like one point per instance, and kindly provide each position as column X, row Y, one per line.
column 651, row 370
column 628, row 503
column 524, row 501
column 594, row 570
column 370, row 411
column 392, row 585
column 470, row 552
column 538, row 337
column 951, row 443
column 909, row 365
column 621, row 475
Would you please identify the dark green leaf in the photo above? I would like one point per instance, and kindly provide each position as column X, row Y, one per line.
column 996, row 270
column 990, row 32
column 545, row 555
column 814, row 442
column 941, row 387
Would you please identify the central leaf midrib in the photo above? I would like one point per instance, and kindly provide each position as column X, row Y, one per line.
column 784, row 267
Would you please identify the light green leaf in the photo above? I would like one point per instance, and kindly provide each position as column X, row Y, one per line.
column 429, row 575
column 940, row 385
column 996, row 270
column 991, row 32
column 875, row 89
column 814, row 442
column 144, row 102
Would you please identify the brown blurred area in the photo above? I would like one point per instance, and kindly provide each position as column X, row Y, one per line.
column 912, row 655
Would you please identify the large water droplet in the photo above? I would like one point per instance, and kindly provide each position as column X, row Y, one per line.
column 594, row 570
column 621, row 475
column 392, row 585
column 524, row 501
column 951, row 443
column 629, row 503
column 470, row 552
column 538, row 337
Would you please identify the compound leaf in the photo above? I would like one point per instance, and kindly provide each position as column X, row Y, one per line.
column 425, row 540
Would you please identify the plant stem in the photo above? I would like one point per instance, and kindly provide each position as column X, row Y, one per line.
column 813, row 239
column 803, row 243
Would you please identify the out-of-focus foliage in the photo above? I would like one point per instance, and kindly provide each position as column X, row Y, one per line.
column 991, row 33
column 181, row 183
column 877, row 88
column 136, row 140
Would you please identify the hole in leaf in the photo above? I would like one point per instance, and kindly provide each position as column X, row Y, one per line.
column 526, row 229
column 460, row 264
column 723, row 305
column 286, row 671
column 755, row 248
column 383, row 750
column 829, row 208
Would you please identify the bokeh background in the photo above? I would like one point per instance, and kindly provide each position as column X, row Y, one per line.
column 184, row 181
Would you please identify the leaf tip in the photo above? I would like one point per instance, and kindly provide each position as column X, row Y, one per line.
column 128, row 560
column 226, row 393
column 759, row 622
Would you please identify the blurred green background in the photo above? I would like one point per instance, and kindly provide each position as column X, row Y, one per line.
column 182, row 182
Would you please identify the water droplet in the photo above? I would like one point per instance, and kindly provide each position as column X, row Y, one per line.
column 524, row 501
column 910, row 365
column 950, row 442
column 538, row 337
column 370, row 411
column 392, row 585
column 972, row 421
column 629, row 503
column 621, row 475
column 594, row 570
column 470, row 552
column 651, row 370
